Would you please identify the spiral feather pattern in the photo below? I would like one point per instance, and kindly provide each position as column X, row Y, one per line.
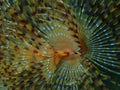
column 59, row 44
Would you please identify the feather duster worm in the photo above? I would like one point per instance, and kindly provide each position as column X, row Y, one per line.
column 59, row 44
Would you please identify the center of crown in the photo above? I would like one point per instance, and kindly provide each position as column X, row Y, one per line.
column 64, row 50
